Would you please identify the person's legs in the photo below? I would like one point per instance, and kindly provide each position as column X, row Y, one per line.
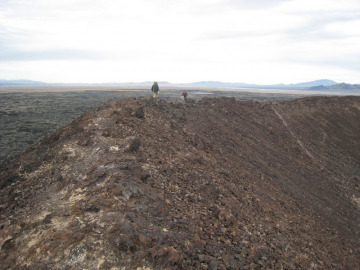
column 156, row 94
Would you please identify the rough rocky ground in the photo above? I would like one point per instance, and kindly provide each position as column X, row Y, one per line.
column 29, row 113
column 214, row 183
column 27, row 117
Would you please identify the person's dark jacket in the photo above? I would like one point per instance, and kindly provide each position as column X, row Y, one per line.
column 155, row 87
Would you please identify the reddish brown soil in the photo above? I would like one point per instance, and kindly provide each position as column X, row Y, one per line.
column 207, row 184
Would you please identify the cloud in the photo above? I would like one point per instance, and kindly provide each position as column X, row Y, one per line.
column 178, row 40
column 324, row 38
column 334, row 54
column 252, row 4
column 327, row 25
column 7, row 54
column 17, row 45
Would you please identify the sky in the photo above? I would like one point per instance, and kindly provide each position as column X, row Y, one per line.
column 180, row 41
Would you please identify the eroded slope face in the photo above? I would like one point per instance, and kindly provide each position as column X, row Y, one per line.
column 211, row 184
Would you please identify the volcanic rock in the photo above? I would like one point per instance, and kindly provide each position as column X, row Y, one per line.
column 214, row 183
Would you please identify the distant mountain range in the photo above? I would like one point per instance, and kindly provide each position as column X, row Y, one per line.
column 246, row 85
column 21, row 82
column 320, row 85
column 339, row 86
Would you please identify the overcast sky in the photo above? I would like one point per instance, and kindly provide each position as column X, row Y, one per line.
column 251, row 41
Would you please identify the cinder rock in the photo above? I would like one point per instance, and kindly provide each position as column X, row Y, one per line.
column 134, row 145
column 140, row 112
column 213, row 265
column 182, row 187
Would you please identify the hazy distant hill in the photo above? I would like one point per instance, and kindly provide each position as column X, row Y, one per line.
column 20, row 82
column 221, row 84
column 194, row 84
column 339, row 86
column 241, row 84
column 313, row 83
column 245, row 85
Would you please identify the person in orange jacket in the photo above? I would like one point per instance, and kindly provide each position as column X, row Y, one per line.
column 184, row 94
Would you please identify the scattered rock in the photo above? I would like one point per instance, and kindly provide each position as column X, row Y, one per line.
column 213, row 265
column 140, row 113
column 207, row 184
column 134, row 145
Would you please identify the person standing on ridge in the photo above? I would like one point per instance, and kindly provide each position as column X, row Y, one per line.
column 184, row 95
column 155, row 90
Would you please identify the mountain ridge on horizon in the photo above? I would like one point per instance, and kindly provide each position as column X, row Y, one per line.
column 317, row 85
column 323, row 82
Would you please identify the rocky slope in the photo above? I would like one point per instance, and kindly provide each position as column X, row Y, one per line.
column 207, row 184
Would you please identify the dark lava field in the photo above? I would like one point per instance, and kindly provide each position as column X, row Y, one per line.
column 211, row 183
column 25, row 118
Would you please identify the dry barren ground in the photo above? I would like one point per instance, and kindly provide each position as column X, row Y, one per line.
column 213, row 183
